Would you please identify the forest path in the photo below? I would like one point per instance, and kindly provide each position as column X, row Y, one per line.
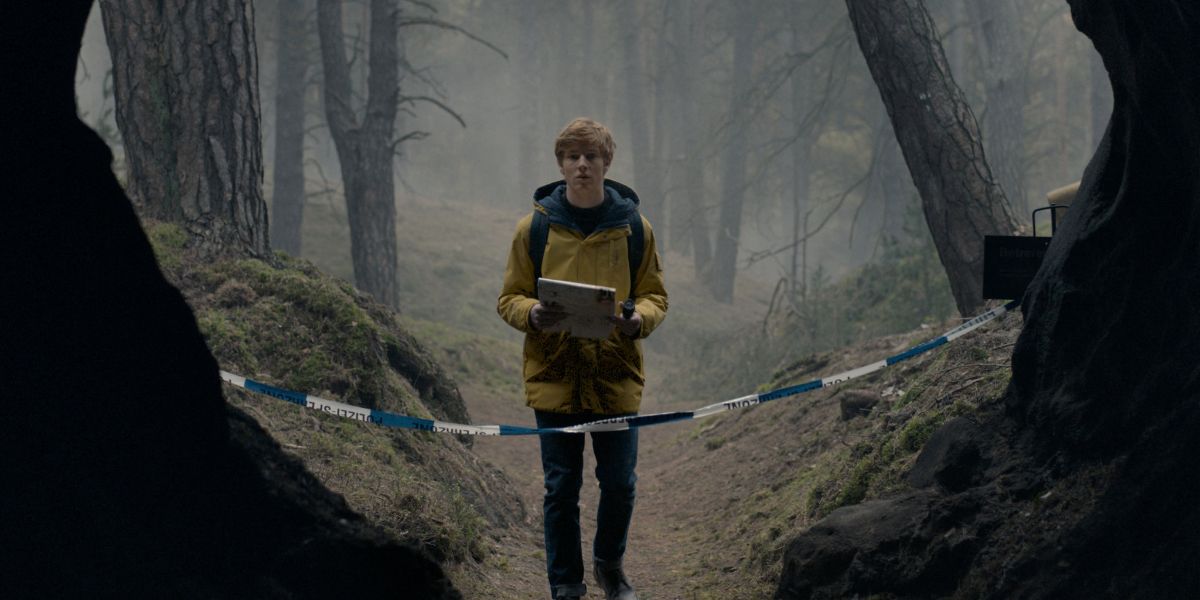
column 672, row 553
column 454, row 265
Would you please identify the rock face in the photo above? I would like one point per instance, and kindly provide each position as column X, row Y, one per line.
column 910, row 544
column 1104, row 405
column 951, row 458
column 1108, row 365
column 125, row 473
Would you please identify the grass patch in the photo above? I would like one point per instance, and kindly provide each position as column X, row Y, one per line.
column 286, row 324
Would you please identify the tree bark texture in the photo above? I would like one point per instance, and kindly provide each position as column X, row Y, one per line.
column 997, row 28
column 733, row 177
column 185, row 79
column 938, row 135
column 365, row 145
column 287, row 203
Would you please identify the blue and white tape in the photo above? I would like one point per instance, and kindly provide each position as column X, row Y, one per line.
column 387, row 419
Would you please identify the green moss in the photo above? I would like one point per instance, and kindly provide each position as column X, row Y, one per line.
column 855, row 489
column 168, row 241
column 917, row 431
column 227, row 339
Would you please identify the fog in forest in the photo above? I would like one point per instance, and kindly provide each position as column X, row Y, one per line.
column 318, row 199
column 761, row 112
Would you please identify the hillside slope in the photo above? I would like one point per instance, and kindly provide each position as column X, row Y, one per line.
column 290, row 326
column 1083, row 483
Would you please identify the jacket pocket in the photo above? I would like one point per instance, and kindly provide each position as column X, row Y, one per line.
column 545, row 356
column 620, row 358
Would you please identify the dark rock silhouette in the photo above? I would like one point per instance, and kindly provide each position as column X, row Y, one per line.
column 1084, row 482
column 125, row 474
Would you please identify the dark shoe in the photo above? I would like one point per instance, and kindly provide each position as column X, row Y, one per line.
column 570, row 592
column 611, row 578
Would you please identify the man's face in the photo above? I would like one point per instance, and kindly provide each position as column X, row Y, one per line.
column 583, row 168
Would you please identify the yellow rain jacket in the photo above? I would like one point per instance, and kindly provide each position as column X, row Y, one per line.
column 577, row 375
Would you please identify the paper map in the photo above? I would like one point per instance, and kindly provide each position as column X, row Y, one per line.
column 588, row 307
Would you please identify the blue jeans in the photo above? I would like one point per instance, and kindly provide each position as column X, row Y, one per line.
column 562, row 466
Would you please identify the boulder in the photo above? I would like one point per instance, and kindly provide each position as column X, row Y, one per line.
column 951, row 458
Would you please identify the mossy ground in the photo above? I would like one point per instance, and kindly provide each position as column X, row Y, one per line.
column 287, row 324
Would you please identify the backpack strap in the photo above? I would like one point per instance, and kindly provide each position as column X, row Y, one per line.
column 539, row 234
column 637, row 244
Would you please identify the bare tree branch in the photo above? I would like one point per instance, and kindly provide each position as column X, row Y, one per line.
column 435, row 102
column 412, row 135
column 763, row 254
column 405, row 22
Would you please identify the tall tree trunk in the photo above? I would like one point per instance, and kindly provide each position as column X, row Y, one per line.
column 997, row 26
column 663, row 79
column 185, row 79
column 938, row 135
column 695, row 223
column 633, row 81
column 532, row 150
column 287, row 203
column 733, row 178
column 365, row 146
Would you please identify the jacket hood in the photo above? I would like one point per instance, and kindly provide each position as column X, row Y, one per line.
column 552, row 200
column 621, row 189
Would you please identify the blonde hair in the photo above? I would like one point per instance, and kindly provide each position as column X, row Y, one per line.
column 587, row 133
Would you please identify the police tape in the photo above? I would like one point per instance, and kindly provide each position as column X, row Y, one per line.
column 396, row 421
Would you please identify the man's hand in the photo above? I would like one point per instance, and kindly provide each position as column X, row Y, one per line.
column 542, row 316
column 630, row 327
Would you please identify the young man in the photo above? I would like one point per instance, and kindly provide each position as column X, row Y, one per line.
column 593, row 238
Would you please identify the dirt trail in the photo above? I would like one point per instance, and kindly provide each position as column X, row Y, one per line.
column 718, row 497
column 672, row 554
column 690, row 491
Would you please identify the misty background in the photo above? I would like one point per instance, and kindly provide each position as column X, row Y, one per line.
column 752, row 131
